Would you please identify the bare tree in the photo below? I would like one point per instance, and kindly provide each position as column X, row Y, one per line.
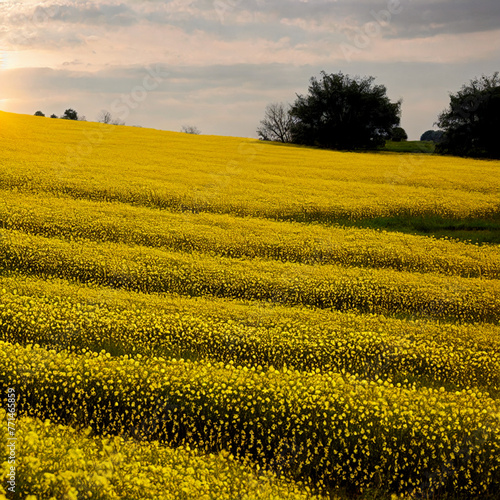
column 277, row 123
column 105, row 117
column 190, row 129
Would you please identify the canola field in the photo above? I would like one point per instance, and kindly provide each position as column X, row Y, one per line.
column 219, row 318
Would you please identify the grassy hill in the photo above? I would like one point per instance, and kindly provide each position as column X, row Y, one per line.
column 245, row 319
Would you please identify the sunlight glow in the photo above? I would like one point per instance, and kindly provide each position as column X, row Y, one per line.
column 4, row 60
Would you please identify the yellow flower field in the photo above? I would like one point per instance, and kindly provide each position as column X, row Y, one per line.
column 90, row 467
column 209, row 317
column 232, row 175
column 326, row 428
column 426, row 352
column 244, row 237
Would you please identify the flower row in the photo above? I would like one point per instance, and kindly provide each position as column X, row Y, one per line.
column 149, row 270
column 428, row 353
column 330, row 429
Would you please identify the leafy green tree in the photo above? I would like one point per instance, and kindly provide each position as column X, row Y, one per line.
column 70, row 114
column 341, row 112
column 398, row 134
column 39, row 113
column 471, row 123
column 432, row 135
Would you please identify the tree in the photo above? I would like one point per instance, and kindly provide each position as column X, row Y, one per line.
column 53, row 115
column 277, row 123
column 398, row 134
column 190, row 129
column 432, row 135
column 471, row 123
column 105, row 117
column 70, row 114
column 341, row 112
column 39, row 113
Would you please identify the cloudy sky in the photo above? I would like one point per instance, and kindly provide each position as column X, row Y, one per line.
column 216, row 64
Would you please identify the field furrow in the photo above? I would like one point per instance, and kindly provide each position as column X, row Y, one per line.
column 245, row 237
column 108, row 468
column 427, row 353
column 326, row 428
column 151, row 270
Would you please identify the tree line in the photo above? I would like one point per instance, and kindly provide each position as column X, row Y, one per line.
column 71, row 114
column 107, row 118
column 348, row 113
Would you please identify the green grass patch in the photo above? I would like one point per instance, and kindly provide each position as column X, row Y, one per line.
column 477, row 231
column 409, row 147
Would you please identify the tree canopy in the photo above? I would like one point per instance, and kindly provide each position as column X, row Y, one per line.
column 341, row 112
column 432, row 135
column 398, row 134
column 70, row 114
column 471, row 123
